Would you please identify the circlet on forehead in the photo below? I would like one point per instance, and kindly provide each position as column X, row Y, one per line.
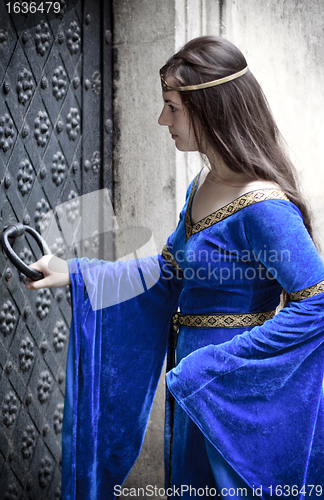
column 219, row 81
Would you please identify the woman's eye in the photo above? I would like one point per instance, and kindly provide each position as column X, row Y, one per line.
column 172, row 108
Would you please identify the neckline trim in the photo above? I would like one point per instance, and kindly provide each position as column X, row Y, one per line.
column 242, row 201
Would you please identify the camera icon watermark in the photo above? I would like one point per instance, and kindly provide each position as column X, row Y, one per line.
column 86, row 228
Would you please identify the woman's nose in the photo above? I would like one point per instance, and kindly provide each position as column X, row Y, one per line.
column 163, row 118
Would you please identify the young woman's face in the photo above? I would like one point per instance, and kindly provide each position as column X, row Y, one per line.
column 175, row 117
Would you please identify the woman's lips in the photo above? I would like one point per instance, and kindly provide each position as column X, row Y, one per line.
column 174, row 136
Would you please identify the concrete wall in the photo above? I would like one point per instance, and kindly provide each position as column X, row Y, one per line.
column 283, row 43
column 144, row 171
column 145, row 176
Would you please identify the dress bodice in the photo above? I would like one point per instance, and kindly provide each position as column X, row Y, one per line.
column 230, row 264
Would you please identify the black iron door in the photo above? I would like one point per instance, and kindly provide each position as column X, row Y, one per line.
column 55, row 145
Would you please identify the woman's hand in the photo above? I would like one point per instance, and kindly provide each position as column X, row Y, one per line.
column 55, row 270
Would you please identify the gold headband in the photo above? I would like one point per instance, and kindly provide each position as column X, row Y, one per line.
column 167, row 88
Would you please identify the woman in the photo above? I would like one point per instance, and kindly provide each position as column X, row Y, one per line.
column 244, row 401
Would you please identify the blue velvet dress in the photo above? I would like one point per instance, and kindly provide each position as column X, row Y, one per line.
column 254, row 394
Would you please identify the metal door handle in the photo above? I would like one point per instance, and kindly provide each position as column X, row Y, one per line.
column 19, row 229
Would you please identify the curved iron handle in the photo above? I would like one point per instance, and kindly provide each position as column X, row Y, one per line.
column 18, row 229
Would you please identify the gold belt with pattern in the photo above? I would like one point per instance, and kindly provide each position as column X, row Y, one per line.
column 221, row 320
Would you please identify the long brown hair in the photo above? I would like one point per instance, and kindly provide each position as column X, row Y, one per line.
column 234, row 118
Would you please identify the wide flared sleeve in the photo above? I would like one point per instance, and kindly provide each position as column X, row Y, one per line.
column 259, row 397
column 120, row 320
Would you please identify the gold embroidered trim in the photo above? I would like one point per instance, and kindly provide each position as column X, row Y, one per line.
column 307, row 292
column 187, row 216
column 231, row 208
column 221, row 320
column 167, row 255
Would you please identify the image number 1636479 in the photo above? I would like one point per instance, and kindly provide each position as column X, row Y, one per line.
column 33, row 7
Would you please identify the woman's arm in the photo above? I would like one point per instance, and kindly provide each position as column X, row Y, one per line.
column 57, row 271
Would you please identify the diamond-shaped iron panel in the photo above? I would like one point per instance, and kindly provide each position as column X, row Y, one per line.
column 47, row 82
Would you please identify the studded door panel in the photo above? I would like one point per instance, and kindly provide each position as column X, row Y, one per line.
column 55, row 135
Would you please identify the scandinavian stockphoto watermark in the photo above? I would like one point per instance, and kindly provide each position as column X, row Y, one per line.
column 86, row 227
column 222, row 265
